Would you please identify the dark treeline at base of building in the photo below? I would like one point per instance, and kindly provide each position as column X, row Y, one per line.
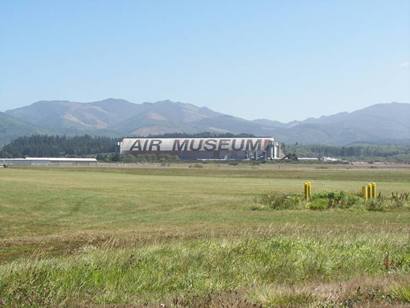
column 58, row 146
column 364, row 152
column 105, row 148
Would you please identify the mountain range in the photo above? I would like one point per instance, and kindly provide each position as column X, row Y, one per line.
column 381, row 123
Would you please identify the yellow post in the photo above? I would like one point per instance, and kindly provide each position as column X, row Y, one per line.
column 369, row 190
column 305, row 190
column 364, row 192
column 374, row 190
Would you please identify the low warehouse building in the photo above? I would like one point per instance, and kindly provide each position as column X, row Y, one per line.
column 47, row 161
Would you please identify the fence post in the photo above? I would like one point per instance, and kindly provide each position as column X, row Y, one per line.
column 369, row 190
column 374, row 191
column 364, row 192
column 305, row 190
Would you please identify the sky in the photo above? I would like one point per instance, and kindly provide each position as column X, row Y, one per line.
column 280, row 60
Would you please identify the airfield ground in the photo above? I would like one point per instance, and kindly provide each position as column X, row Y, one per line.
column 186, row 235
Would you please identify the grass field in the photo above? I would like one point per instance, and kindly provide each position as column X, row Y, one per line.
column 186, row 235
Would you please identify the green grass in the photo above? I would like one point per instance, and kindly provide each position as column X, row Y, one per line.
column 331, row 200
column 188, row 236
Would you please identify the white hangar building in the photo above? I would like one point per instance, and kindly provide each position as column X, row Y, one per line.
column 257, row 148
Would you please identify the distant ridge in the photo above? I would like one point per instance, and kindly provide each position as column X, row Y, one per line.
column 379, row 123
column 11, row 128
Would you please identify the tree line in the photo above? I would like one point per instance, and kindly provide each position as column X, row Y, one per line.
column 58, row 146
column 106, row 149
column 357, row 151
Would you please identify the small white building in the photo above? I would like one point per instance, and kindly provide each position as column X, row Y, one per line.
column 47, row 161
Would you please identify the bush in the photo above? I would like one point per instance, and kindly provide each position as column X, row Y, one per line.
column 334, row 200
column 317, row 204
column 342, row 199
column 278, row 201
column 148, row 158
column 108, row 157
column 399, row 200
column 375, row 205
column 233, row 163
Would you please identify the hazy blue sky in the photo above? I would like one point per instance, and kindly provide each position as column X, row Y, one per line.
column 281, row 60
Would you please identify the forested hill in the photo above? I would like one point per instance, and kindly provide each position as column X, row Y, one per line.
column 381, row 123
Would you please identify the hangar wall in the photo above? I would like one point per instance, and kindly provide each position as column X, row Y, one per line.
column 204, row 148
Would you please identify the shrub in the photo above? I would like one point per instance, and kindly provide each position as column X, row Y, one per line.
column 278, row 201
column 233, row 163
column 375, row 205
column 334, row 200
column 317, row 204
column 342, row 200
column 325, row 200
column 399, row 200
